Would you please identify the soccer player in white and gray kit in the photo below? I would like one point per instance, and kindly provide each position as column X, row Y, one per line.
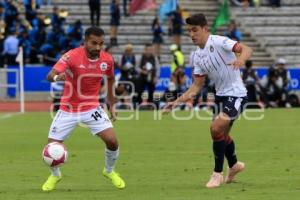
column 219, row 58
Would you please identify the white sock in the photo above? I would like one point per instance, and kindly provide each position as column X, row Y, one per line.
column 55, row 171
column 110, row 159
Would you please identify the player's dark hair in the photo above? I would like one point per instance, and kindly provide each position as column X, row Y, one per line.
column 248, row 63
column 93, row 31
column 197, row 20
column 148, row 45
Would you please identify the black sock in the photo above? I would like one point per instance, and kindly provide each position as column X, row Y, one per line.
column 230, row 154
column 219, row 151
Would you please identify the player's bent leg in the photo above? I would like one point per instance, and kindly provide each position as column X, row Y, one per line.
column 218, row 128
column 109, row 138
column 111, row 156
column 234, row 166
column 55, row 176
column 230, row 151
column 61, row 128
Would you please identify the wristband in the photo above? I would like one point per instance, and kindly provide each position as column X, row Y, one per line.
column 55, row 78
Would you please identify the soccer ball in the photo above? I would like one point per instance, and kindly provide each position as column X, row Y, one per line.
column 55, row 154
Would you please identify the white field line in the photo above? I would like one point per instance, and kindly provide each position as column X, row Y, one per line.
column 9, row 115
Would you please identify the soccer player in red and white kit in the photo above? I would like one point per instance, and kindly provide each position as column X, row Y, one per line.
column 82, row 69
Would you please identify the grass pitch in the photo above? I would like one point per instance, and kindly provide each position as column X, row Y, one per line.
column 164, row 159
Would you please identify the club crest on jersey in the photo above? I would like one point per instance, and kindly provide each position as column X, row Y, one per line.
column 211, row 48
column 103, row 66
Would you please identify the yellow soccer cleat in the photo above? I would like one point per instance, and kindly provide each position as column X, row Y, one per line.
column 51, row 182
column 115, row 178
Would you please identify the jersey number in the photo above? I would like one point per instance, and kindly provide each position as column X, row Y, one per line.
column 96, row 115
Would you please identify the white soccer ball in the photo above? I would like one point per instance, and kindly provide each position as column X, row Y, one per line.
column 55, row 154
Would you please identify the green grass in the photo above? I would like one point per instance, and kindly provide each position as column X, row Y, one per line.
column 160, row 159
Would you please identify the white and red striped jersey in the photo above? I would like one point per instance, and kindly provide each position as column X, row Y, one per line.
column 215, row 61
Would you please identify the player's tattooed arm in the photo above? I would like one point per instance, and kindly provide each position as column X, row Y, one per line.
column 243, row 53
column 54, row 75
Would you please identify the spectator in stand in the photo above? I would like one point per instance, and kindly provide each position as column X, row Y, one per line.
column 270, row 88
column 114, row 21
column 128, row 64
column 30, row 8
column 148, row 74
column 125, row 12
column 176, row 25
column 177, row 66
column 53, row 46
column 11, row 48
column 25, row 42
column 251, row 82
column 127, row 80
column 58, row 17
column 157, row 32
column 285, row 77
column 95, row 9
column 233, row 32
column 33, row 4
column 56, row 36
column 11, row 13
column 2, row 11
column 275, row 3
column 22, row 25
column 50, row 53
column 242, row 3
column 37, row 36
column 75, row 33
column 1, row 50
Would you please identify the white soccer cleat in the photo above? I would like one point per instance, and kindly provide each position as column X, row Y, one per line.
column 233, row 171
column 215, row 180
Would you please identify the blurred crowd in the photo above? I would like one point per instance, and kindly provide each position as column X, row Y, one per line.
column 246, row 3
column 45, row 38
column 273, row 89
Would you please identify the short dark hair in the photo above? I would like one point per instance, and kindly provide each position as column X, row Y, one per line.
column 197, row 20
column 248, row 63
column 93, row 31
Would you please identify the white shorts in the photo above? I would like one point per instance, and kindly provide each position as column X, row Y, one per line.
column 64, row 122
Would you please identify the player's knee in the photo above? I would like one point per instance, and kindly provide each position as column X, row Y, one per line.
column 216, row 132
column 112, row 144
column 215, row 129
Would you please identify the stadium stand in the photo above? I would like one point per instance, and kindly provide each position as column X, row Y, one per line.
column 137, row 29
column 276, row 29
column 271, row 32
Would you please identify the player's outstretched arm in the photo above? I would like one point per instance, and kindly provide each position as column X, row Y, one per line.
column 243, row 53
column 189, row 94
column 54, row 75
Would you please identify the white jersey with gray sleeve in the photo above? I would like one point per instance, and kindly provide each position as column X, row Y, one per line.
column 214, row 60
